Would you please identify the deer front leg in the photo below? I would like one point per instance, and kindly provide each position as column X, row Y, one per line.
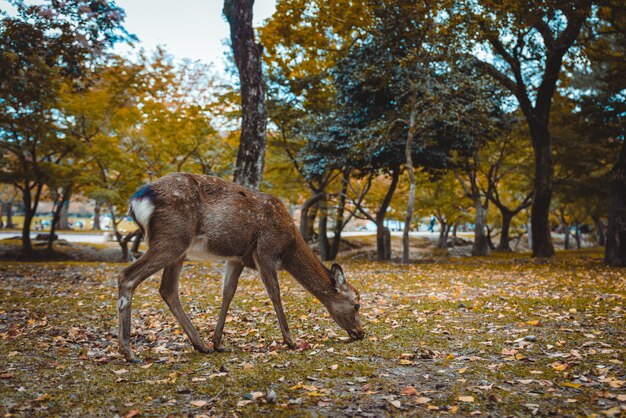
column 169, row 293
column 229, row 287
column 270, row 281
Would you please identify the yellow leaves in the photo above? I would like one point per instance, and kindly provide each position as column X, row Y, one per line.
column 462, row 370
column 534, row 322
column 44, row 397
column 558, row 366
column 571, row 385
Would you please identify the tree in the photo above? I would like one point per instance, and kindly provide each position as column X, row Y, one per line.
column 529, row 42
column 40, row 46
column 247, row 54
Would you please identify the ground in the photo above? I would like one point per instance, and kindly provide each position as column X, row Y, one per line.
column 502, row 335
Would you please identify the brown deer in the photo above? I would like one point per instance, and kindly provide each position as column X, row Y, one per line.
column 183, row 214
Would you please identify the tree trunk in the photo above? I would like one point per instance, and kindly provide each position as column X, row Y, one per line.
column 9, row 210
column 406, row 242
column 322, row 235
column 544, row 172
column 454, row 230
column 504, row 244
column 615, row 249
column 248, row 55
column 64, row 218
column 30, row 209
column 304, row 215
column 600, row 236
column 442, row 242
column 137, row 242
column 565, row 228
column 383, row 236
column 480, row 246
column 490, row 243
column 577, row 235
column 336, row 242
column 62, row 204
column 96, row 216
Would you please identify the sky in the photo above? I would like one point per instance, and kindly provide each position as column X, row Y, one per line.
column 194, row 29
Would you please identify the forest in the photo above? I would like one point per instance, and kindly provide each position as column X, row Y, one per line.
column 465, row 161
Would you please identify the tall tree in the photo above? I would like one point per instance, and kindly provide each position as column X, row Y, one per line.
column 529, row 42
column 247, row 54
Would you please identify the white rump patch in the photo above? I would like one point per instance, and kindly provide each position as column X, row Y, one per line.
column 142, row 208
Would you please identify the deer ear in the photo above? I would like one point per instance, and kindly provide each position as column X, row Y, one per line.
column 337, row 276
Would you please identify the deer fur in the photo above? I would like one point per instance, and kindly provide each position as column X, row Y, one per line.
column 185, row 213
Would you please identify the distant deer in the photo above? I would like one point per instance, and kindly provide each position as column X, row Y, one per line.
column 185, row 214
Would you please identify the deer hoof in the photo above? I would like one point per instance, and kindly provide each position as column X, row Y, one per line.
column 221, row 349
column 290, row 343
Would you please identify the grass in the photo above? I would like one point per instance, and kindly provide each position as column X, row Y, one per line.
column 503, row 334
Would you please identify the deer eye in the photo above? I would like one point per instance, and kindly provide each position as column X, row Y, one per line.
column 356, row 307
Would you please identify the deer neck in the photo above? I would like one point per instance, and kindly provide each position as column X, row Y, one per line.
column 309, row 271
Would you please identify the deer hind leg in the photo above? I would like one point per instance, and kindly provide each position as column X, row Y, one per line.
column 169, row 293
column 128, row 280
column 231, row 280
column 269, row 276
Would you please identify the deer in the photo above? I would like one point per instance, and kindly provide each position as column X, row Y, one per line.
column 184, row 214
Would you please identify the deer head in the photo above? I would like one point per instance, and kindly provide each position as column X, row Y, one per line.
column 344, row 305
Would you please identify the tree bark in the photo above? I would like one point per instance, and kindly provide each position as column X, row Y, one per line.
column 30, row 209
column 304, row 215
column 577, row 235
column 383, row 236
column 504, row 244
column 57, row 213
column 406, row 242
column 600, row 236
column 96, row 216
column 9, row 211
column 480, row 246
column 322, row 230
column 615, row 249
column 442, row 242
column 248, row 58
column 542, row 246
column 339, row 222
column 565, row 228
column 64, row 216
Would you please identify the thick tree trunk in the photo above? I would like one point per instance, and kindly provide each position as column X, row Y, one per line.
column 383, row 236
column 504, row 244
column 96, row 216
column 615, row 249
column 322, row 227
column 600, row 236
column 305, row 226
column 544, row 172
column 480, row 246
column 248, row 58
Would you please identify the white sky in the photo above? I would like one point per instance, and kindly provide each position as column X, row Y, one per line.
column 192, row 29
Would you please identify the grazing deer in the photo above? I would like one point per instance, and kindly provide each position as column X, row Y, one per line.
column 192, row 214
